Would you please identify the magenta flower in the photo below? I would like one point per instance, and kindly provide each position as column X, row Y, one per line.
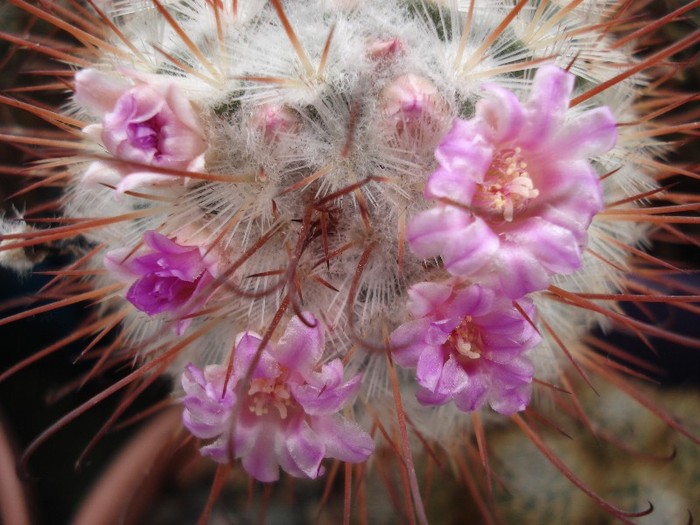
column 289, row 412
column 142, row 123
column 467, row 344
column 517, row 191
column 170, row 278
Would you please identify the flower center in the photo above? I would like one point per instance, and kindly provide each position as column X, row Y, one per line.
column 507, row 187
column 265, row 393
column 465, row 340
column 144, row 135
column 154, row 294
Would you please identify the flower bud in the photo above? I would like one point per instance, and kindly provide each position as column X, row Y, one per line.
column 413, row 111
column 274, row 120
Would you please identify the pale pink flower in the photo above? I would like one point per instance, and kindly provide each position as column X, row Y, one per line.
column 412, row 110
column 523, row 192
column 468, row 345
column 170, row 278
column 289, row 414
column 142, row 123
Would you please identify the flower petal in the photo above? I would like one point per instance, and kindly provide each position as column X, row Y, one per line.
column 513, row 400
column 328, row 398
column 301, row 346
column 546, row 109
column 97, row 91
column 99, row 173
column 511, row 386
column 427, row 299
column 183, row 110
column 429, row 368
column 305, row 449
column 255, row 446
column 502, row 112
column 472, row 300
column 247, row 346
column 408, row 342
column 139, row 179
column 473, row 396
column 430, row 231
column 465, row 243
column 429, row 398
column 207, row 406
column 343, row 439
column 519, row 272
column 471, row 248
column 450, row 185
column 555, row 248
column 592, row 133
column 465, row 151
column 217, row 450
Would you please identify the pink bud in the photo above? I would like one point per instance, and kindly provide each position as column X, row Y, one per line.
column 273, row 120
column 384, row 49
column 413, row 110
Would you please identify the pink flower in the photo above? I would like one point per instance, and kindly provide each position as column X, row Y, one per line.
column 170, row 277
column 413, row 112
column 288, row 415
column 467, row 344
column 522, row 189
column 142, row 123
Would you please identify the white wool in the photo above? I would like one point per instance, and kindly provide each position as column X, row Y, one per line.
column 255, row 63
